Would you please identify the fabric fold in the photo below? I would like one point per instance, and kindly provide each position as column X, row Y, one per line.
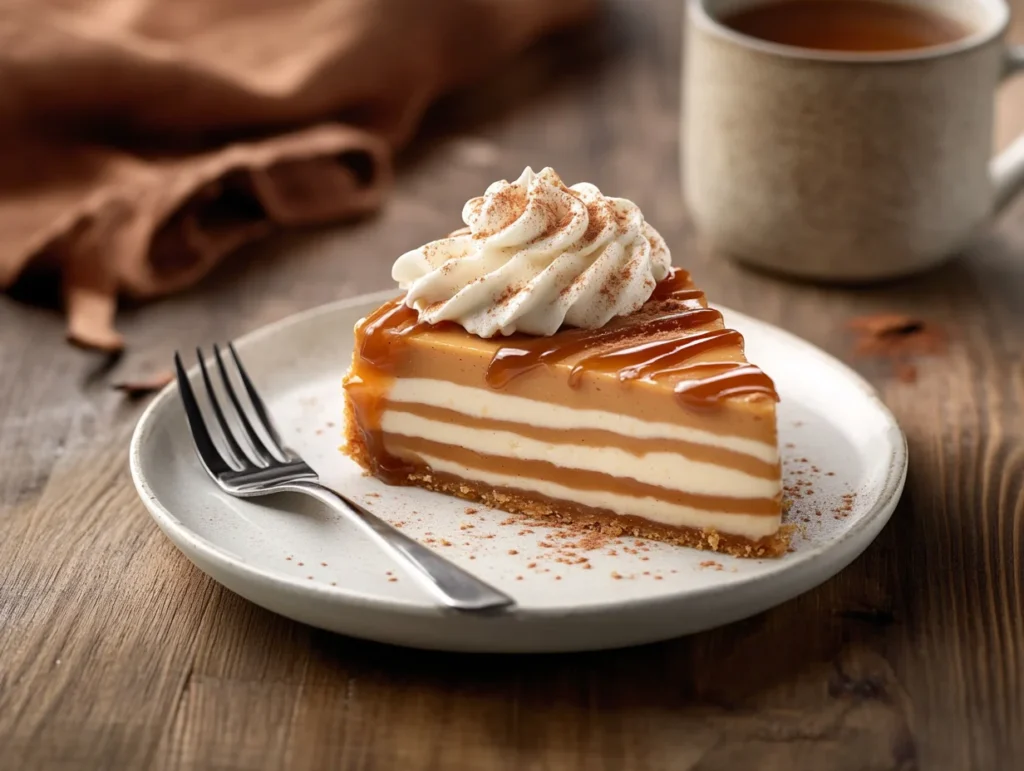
column 145, row 140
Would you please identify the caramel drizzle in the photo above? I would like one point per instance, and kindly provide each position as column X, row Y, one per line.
column 382, row 329
column 732, row 378
column 518, row 358
column 650, row 360
column 676, row 282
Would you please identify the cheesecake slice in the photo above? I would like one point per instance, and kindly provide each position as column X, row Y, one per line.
column 653, row 424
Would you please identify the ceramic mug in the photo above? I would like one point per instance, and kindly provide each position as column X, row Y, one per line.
column 845, row 166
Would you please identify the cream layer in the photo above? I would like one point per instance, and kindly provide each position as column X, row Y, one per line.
column 748, row 526
column 485, row 403
column 661, row 469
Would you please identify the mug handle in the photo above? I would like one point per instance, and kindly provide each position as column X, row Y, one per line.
column 1007, row 168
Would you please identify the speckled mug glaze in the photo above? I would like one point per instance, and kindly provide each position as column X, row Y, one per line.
column 839, row 166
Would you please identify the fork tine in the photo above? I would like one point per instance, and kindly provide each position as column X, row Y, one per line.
column 260, row 449
column 236, row 452
column 205, row 448
column 259, row 407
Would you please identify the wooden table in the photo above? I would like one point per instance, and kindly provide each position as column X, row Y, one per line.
column 115, row 653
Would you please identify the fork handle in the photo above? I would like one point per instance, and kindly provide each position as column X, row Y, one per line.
column 444, row 579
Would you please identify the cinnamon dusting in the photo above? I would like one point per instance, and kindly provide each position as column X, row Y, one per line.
column 897, row 338
column 135, row 388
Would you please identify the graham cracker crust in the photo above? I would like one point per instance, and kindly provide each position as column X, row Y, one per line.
column 560, row 512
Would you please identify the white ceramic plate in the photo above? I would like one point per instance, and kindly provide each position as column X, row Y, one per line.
column 295, row 558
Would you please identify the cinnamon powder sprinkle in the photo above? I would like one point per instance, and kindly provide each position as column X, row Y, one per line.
column 591, row 541
column 135, row 388
column 897, row 338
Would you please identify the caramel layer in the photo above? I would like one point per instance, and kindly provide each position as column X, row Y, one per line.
column 412, row 448
column 585, row 517
column 594, row 438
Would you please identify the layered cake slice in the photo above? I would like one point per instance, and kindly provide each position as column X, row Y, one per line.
column 548, row 360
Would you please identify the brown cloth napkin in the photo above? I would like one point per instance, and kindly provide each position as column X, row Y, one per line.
column 142, row 140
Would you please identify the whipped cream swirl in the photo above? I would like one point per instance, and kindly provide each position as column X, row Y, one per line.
column 536, row 255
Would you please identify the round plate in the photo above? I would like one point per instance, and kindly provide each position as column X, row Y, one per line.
column 845, row 462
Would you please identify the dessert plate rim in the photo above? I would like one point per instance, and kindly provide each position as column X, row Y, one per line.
column 194, row 545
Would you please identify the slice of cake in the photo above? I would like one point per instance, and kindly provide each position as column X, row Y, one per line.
column 548, row 360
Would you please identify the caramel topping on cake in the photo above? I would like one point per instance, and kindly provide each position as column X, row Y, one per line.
column 675, row 309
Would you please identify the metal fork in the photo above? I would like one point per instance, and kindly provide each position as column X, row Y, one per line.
column 268, row 466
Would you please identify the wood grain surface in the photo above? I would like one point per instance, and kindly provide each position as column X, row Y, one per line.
column 115, row 653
